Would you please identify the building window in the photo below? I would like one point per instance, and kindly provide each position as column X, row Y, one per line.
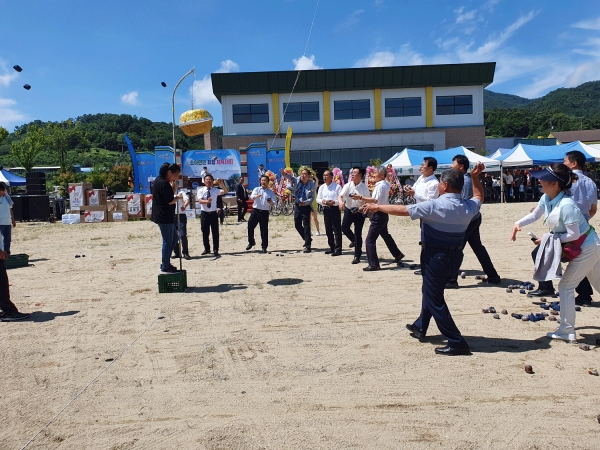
column 301, row 112
column 352, row 109
column 257, row 113
column 454, row 104
column 403, row 107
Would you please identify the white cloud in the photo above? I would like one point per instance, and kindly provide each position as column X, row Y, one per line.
column 131, row 98
column 350, row 21
column 9, row 115
column 466, row 17
column 228, row 66
column 7, row 75
column 202, row 90
column 590, row 24
column 304, row 63
column 545, row 72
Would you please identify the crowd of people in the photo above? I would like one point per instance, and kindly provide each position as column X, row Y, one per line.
column 448, row 211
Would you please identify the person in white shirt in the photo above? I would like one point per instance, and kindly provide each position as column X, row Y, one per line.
column 426, row 186
column 209, row 220
column 203, row 173
column 263, row 199
column 328, row 198
column 508, row 186
column 350, row 205
column 182, row 204
column 379, row 223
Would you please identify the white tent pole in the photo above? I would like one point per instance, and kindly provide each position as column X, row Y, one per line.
column 501, row 183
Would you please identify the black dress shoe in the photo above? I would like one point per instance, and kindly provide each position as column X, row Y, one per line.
column 418, row 272
column 371, row 268
column 351, row 245
column 399, row 258
column 582, row 300
column 205, row 252
column 451, row 285
column 216, row 253
column 493, row 280
column 541, row 293
column 264, row 250
column 356, row 261
column 187, row 257
column 306, row 250
column 329, row 252
column 451, row 351
column 337, row 253
column 250, row 246
column 175, row 257
column 414, row 331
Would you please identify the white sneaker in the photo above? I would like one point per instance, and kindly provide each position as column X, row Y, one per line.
column 562, row 336
column 317, row 234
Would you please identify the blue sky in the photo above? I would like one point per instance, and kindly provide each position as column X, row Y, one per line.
column 84, row 57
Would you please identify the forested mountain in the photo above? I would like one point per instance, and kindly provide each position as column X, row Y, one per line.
column 100, row 139
column 581, row 101
column 494, row 100
column 565, row 109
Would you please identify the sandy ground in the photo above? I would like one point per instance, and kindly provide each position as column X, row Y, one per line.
column 267, row 351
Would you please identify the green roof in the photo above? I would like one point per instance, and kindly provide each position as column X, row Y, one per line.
column 437, row 75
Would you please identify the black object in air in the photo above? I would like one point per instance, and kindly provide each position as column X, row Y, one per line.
column 163, row 84
column 26, row 86
column 18, row 68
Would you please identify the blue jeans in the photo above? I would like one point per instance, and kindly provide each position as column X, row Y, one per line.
column 6, row 231
column 169, row 235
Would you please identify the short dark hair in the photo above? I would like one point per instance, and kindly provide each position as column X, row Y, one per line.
column 360, row 170
column 463, row 161
column 454, row 178
column 431, row 162
column 577, row 157
column 209, row 175
column 264, row 176
column 2, row 186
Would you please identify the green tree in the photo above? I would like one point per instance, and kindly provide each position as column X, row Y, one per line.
column 27, row 149
column 62, row 137
column 3, row 134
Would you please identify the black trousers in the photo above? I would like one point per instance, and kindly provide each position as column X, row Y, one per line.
column 209, row 222
column 302, row 223
column 379, row 227
column 242, row 209
column 584, row 289
column 473, row 237
column 333, row 227
column 358, row 220
column 259, row 217
column 6, row 305
column 437, row 265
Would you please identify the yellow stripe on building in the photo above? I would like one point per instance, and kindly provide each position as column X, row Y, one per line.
column 378, row 109
column 428, row 106
column 275, row 107
column 326, row 112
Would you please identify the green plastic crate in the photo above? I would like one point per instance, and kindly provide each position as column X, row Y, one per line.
column 172, row 282
column 14, row 261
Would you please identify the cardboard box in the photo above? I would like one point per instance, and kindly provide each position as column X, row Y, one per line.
column 118, row 216
column 94, row 214
column 121, row 205
column 78, row 195
column 148, row 205
column 135, row 205
column 111, row 205
column 96, row 197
